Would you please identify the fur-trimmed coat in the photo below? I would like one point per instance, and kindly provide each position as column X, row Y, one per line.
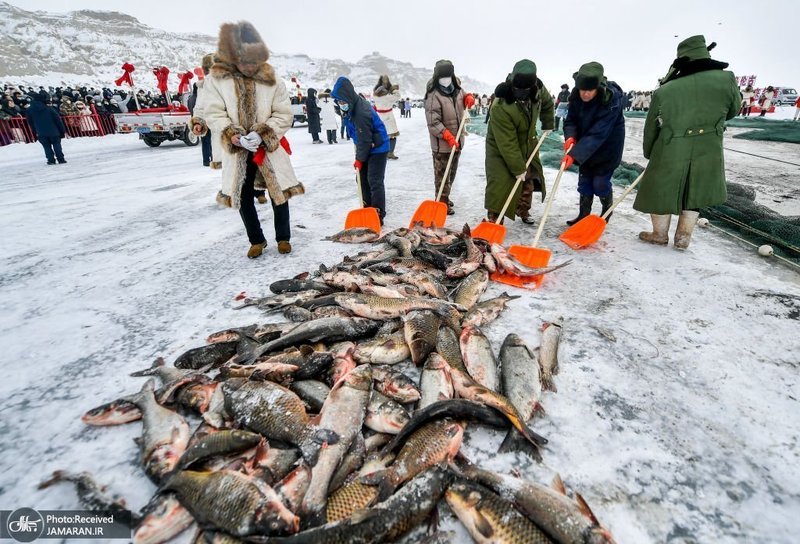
column 384, row 102
column 235, row 104
column 199, row 113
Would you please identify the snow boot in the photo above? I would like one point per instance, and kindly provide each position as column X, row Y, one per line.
column 223, row 199
column 527, row 219
column 584, row 208
column 62, row 161
column 607, row 201
column 284, row 247
column 660, row 234
column 256, row 250
column 683, row 232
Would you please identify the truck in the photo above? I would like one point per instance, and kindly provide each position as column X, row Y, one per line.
column 157, row 125
column 298, row 100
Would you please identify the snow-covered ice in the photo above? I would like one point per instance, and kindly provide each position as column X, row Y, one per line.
column 676, row 411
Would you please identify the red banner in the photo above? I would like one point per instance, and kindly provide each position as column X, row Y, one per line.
column 199, row 73
column 161, row 76
column 126, row 77
column 183, row 86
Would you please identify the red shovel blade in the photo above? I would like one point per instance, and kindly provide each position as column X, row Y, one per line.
column 431, row 214
column 491, row 232
column 365, row 218
column 584, row 233
column 533, row 257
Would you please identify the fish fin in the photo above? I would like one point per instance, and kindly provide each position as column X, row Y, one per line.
column 585, row 510
column 301, row 276
column 158, row 363
column 314, row 420
column 315, row 440
column 558, row 484
column 548, row 384
column 515, row 442
column 482, row 524
column 148, row 388
column 362, row 514
column 241, row 296
column 262, row 451
column 58, row 476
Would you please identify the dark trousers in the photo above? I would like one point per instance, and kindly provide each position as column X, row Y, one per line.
column 205, row 143
column 249, row 214
column 331, row 136
column 589, row 184
column 344, row 132
column 372, row 189
column 52, row 148
column 315, row 136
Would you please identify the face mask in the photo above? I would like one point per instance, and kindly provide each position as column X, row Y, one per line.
column 445, row 81
column 344, row 106
column 521, row 94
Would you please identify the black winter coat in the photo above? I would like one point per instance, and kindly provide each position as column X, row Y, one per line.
column 598, row 126
column 45, row 121
column 312, row 112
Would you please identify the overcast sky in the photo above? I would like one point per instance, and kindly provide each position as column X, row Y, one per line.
column 634, row 40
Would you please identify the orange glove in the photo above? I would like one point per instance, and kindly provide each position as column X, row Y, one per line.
column 449, row 138
column 567, row 161
column 469, row 101
column 569, row 143
column 357, row 165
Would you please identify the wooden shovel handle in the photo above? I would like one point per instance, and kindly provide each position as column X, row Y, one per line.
column 550, row 200
column 358, row 185
column 452, row 154
column 624, row 194
column 545, row 134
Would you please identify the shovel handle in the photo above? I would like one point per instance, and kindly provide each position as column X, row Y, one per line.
column 550, row 200
column 452, row 154
column 545, row 134
column 624, row 194
column 358, row 185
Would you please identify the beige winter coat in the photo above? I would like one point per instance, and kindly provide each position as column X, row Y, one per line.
column 383, row 105
column 444, row 112
column 234, row 104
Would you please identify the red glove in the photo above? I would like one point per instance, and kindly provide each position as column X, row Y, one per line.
column 260, row 155
column 469, row 101
column 357, row 165
column 567, row 161
column 285, row 145
column 569, row 143
column 449, row 138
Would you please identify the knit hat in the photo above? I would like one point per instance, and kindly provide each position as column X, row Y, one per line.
column 565, row 86
column 443, row 68
column 589, row 76
column 240, row 43
column 523, row 76
column 694, row 48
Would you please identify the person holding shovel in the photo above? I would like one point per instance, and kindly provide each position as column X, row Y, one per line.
column 445, row 103
column 683, row 140
column 520, row 102
column 594, row 130
column 369, row 135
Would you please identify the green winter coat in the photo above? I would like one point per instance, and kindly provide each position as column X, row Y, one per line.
column 510, row 139
column 683, row 138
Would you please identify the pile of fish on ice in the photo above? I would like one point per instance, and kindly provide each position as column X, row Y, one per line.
column 308, row 431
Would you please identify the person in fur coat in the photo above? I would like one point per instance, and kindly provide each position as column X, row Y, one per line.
column 385, row 95
column 247, row 107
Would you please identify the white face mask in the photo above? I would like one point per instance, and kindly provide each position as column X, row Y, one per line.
column 445, row 81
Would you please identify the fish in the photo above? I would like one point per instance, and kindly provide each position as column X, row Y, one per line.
column 521, row 385
column 342, row 415
column 403, row 245
column 471, row 261
column 232, row 335
column 279, row 301
column 435, row 383
column 343, row 362
column 348, row 280
column 163, row 518
column 219, row 443
column 383, row 350
column 297, row 314
column 507, row 263
column 347, row 499
column 92, row 496
column 381, row 308
column 116, row 412
column 433, row 257
column 232, row 501
column 330, row 311
column 273, row 464
column 351, row 462
column 419, row 329
column 354, row 236
column 489, row 518
column 292, row 488
column 487, row 311
column 385, row 415
column 298, row 284
column 393, row 291
column 394, row 384
column 271, row 331
column 449, row 347
column 329, row 329
column 564, row 520
column 312, row 392
column 165, row 434
column 479, row 357
column 548, row 353
column 435, row 443
column 426, row 282
column 208, row 356
column 277, row 413
column 471, row 288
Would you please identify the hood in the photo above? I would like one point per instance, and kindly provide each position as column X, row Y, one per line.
column 312, row 94
column 344, row 91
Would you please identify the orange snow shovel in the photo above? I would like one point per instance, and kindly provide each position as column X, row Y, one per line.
column 589, row 229
column 362, row 218
column 495, row 233
column 532, row 256
column 432, row 213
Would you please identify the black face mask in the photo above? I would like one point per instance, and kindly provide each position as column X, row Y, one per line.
column 521, row 94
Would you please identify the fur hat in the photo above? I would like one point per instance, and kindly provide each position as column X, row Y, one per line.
column 240, row 43
column 523, row 76
column 443, row 68
column 208, row 61
column 589, row 76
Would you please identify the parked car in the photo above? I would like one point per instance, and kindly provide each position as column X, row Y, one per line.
column 157, row 125
column 785, row 95
column 299, row 113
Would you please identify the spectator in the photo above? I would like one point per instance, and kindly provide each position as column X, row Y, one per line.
column 312, row 113
column 766, row 100
column 797, row 109
column 330, row 119
column 562, row 104
column 748, row 97
column 385, row 95
column 48, row 126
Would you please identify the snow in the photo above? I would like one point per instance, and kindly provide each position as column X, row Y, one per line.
column 676, row 411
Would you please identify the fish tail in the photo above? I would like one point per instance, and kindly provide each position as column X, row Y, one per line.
column 548, row 384
column 58, row 476
column 314, row 441
column 158, row 363
column 515, row 442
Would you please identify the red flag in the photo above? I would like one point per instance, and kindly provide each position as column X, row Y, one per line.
column 126, row 77
column 161, row 76
column 199, row 73
column 183, row 86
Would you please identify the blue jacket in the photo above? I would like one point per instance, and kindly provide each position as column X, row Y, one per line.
column 45, row 121
column 599, row 128
column 361, row 121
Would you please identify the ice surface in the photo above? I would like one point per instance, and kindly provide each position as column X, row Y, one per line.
column 683, row 428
